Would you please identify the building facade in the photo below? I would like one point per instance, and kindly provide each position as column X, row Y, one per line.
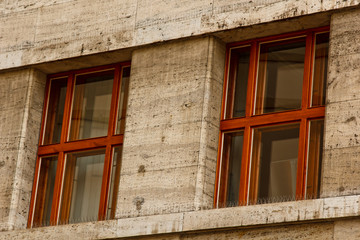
column 173, row 142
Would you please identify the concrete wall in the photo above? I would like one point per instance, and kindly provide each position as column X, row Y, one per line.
column 21, row 101
column 36, row 31
column 341, row 172
column 172, row 125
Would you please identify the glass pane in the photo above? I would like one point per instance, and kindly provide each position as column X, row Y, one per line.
column 238, row 78
column 124, row 90
column 314, row 158
column 274, row 163
column 320, row 69
column 232, row 154
column 45, row 191
column 55, row 111
column 82, row 186
column 114, row 183
column 91, row 105
column 280, row 76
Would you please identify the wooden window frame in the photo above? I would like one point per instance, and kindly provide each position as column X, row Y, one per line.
column 252, row 120
column 65, row 146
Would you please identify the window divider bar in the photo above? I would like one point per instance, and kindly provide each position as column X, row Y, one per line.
column 301, row 166
column 57, row 189
column 252, row 77
column 105, row 183
column 269, row 119
column 307, row 79
column 67, row 109
column 114, row 101
column 245, row 167
column 81, row 145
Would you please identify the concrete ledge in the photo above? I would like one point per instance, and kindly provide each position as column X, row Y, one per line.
column 247, row 216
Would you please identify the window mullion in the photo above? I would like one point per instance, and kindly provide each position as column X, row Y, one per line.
column 67, row 109
column 57, row 189
column 245, row 166
column 254, row 58
column 114, row 101
column 302, row 155
column 306, row 88
column 105, row 183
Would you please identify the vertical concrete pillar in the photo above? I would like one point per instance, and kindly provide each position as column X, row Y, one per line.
column 21, row 103
column 341, row 164
column 172, row 127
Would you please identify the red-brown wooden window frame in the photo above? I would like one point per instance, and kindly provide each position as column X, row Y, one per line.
column 65, row 146
column 250, row 120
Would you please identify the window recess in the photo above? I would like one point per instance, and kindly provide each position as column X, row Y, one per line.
column 273, row 119
column 79, row 156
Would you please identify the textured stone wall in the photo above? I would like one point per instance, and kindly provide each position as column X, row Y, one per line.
column 341, row 172
column 37, row 31
column 172, row 125
column 21, row 99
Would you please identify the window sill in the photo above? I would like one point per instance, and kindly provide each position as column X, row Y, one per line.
column 246, row 216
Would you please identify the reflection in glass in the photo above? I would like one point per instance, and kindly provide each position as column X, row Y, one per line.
column 114, row 183
column 91, row 105
column 82, row 186
column 239, row 71
column 280, row 76
column 274, row 163
column 54, row 116
column 314, row 158
column 232, row 154
column 45, row 191
column 320, row 69
column 124, row 90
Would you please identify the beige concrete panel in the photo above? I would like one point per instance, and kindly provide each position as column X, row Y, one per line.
column 340, row 172
column 172, row 126
column 318, row 231
column 165, row 19
column 102, row 229
column 348, row 229
column 13, row 6
column 344, row 77
column 274, row 221
column 254, row 215
column 21, row 107
column 156, row 192
column 68, row 29
column 344, row 57
column 342, row 125
column 63, row 32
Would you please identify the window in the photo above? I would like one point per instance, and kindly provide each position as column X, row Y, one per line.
column 272, row 119
column 79, row 156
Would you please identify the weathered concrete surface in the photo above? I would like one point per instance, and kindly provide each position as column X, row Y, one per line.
column 341, row 173
column 348, row 229
column 329, row 218
column 172, row 125
column 21, row 98
column 34, row 31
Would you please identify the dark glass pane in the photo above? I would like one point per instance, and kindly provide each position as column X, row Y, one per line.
column 233, row 145
column 45, row 191
column 124, row 90
column 274, row 162
column 91, row 105
column 320, row 69
column 314, row 158
column 280, row 76
column 55, row 112
column 114, row 183
column 82, row 186
column 238, row 78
